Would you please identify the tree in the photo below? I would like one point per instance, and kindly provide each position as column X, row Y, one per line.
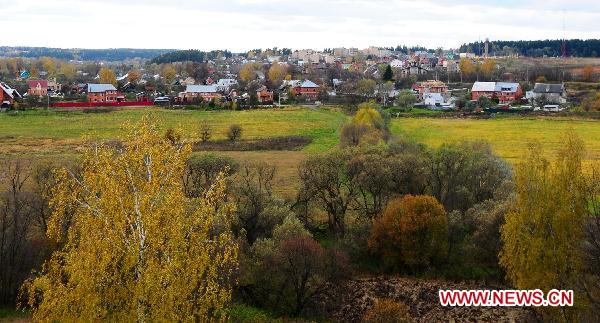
column 107, row 76
column 366, row 87
column 466, row 67
column 587, row 73
column 483, row 102
column 202, row 171
column 247, row 73
column 541, row 79
column 169, row 73
column 330, row 181
column 591, row 102
column 134, row 76
column 49, row 65
column 464, row 174
column 412, row 232
column 67, row 70
column 487, row 68
column 406, row 99
column 291, row 269
column 205, row 131
column 542, row 237
column 234, row 132
column 137, row 249
column 388, row 75
column 276, row 73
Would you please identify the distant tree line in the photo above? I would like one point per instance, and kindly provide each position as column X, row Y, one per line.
column 538, row 48
column 115, row 54
column 191, row 55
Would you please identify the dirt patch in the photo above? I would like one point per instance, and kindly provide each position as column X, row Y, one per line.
column 289, row 143
column 358, row 295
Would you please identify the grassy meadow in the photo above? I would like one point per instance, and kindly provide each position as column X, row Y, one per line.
column 52, row 135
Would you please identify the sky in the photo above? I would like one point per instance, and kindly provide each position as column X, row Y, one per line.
column 241, row 25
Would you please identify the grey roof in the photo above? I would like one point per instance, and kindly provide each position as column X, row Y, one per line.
column 308, row 83
column 548, row 88
column 201, row 89
column 98, row 88
column 226, row 82
column 484, row 87
column 506, row 87
column 495, row 87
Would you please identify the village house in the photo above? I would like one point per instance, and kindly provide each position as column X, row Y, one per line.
column 431, row 86
column 306, row 88
column 550, row 93
column 223, row 85
column 42, row 87
column 37, row 87
column 503, row 91
column 206, row 92
column 103, row 93
column 264, row 95
column 7, row 95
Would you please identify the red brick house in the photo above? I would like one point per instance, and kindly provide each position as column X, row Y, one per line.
column 308, row 89
column 264, row 95
column 503, row 91
column 103, row 93
column 37, row 87
column 7, row 95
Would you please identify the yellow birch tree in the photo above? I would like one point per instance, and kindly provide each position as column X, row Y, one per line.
column 136, row 248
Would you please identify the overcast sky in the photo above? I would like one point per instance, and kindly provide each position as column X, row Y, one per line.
column 240, row 25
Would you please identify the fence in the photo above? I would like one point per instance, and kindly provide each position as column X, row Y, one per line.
column 101, row 104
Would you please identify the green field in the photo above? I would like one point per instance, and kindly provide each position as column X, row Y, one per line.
column 47, row 131
column 56, row 134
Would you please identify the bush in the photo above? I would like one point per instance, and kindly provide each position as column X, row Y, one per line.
column 202, row 170
column 234, row 132
column 388, row 311
column 412, row 232
column 289, row 271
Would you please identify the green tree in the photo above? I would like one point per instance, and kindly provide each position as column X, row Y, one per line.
column 406, row 99
column 388, row 75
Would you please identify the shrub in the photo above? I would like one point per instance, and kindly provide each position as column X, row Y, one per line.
column 234, row 132
column 205, row 131
column 387, row 310
column 202, row 170
column 412, row 232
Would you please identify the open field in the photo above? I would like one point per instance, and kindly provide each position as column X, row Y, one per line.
column 37, row 135
column 51, row 132
column 509, row 136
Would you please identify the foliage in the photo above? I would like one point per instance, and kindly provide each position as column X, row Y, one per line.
column 205, row 131
column 412, row 233
column 388, row 75
column 406, row 99
column 290, row 270
column 464, row 174
column 591, row 102
column 388, row 311
column 234, row 132
column 467, row 67
column 168, row 73
column 202, row 171
column 541, row 48
column 330, row 181
column 107, row 76
column 541, row 238
column 368, row 127
column 258, row 209
column 137, row 248
column 483, row 102
column 487, row 68
column 366, row 87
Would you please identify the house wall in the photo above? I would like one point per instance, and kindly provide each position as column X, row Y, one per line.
column 311, row 93
column 37, row 91
column 107, row 96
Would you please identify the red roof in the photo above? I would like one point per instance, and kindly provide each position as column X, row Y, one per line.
column 34, row 83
